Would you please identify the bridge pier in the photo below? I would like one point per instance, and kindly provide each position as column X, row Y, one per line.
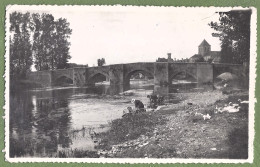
column 161, row 78
column 204, row 73
column 116, row 78
column 79, row 76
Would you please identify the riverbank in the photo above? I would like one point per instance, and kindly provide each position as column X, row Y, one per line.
column 87, row 122
column 200, row 126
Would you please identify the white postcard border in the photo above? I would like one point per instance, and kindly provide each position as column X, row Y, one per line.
column 252, row 99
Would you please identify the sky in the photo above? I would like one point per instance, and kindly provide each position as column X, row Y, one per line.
column 127, row 34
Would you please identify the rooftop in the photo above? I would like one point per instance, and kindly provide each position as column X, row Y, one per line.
column 204, row 43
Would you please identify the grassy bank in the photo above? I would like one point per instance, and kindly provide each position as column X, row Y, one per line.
column 179, row 130
column 130, row 128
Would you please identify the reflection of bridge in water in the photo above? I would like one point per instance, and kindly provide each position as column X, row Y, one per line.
column 119, row 74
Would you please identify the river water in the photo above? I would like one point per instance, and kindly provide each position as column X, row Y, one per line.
column 52, row 122
column 45, row 122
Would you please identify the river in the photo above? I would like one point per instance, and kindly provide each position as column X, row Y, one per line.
column 48, row 122
column 44, row 122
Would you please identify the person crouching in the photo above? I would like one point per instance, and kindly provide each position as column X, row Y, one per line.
column 139, row 106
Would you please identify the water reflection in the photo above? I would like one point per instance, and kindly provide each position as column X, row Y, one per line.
column 184, row 86
column 45, row 122
column 38, row 123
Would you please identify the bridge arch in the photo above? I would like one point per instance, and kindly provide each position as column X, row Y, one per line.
column 133, row 72
column 219, row 71
column 181, row 81
column 234, row 69
column 186, row 74
column 63, row 80
column 62, row 76
column 97, row 77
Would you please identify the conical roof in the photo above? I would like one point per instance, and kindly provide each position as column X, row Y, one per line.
column 204, row 43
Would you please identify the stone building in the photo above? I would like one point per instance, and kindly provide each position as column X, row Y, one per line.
column 169, row 59
column 205, row 54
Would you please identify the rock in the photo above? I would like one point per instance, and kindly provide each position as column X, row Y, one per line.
column 205, row 117
column 149, row 109
column 230, row 109
column 144, row 144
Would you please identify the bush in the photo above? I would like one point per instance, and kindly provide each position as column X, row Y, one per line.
column 129, row 128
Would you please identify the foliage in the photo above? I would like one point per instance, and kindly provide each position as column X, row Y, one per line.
column 74, row 65
column 129, row 128
column 101, row 62
column 210, row 60
column 20, row 46
column 233, row 30
column 162, row 60
column 77, row 153
column 199, row 59
column 172, row 60
column 51, row 46
column 39, row 38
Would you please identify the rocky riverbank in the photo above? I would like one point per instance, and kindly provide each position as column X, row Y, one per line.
column 201, row 125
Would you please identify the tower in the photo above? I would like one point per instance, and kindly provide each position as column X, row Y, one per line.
column 170, row 60
column 204, row 48
column 169, row 56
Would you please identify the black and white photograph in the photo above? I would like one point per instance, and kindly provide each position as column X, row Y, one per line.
column 130, row 84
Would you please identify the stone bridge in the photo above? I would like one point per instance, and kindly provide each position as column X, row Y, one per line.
column 119, row 74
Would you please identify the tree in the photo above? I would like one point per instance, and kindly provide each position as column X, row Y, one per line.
column 38, row 36
column 43, row 41
column 162, row 60
column 101, row 62
column 74, row 65
column 199, row 60
column 51, row 45
column 62, row 44
column 210, row 60
column 233, row 30
column 20, row 45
